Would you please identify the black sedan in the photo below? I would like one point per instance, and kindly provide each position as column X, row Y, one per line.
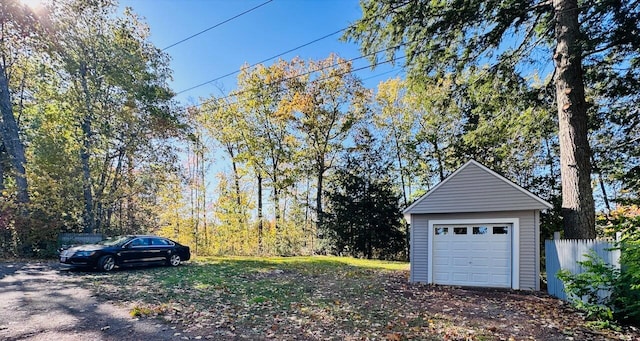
column 126, row 251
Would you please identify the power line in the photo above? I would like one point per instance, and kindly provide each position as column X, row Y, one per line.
column 235, row 94
column 216, row 25
column 273, row 57
column 264, row 60
column 323, row 68
column 383, row 73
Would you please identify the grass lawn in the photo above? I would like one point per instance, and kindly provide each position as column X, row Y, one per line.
column 333, row 298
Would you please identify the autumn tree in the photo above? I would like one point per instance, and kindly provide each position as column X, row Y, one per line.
column 172, row 211
column 396, row 120
column 52, row 144
column 18, row 36
column 442, row 37
column 196, row 170
column 327, row 101
column 123, row 112
column 438, row 115
column 86, row 105
column 232, row 233
column 267, row 125
column 221, row 119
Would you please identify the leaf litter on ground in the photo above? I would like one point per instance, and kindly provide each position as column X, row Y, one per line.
column 336, row 298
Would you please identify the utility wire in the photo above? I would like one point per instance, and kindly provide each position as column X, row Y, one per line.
column 383, row 73
column 273, row 57
column 235, row 94
column 320, row 69
column 216, row 25
column 262, row 61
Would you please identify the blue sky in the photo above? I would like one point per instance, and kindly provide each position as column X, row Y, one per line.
column 273, row 28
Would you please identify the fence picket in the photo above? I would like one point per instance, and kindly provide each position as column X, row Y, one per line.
column 566, row 253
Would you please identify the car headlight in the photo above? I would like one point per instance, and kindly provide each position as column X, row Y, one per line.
column 84, row 253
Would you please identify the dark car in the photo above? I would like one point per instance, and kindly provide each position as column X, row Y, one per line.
column 122, row 251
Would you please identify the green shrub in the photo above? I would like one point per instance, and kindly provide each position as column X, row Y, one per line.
column 623, row 285
column 627, row 288
column 583, row 289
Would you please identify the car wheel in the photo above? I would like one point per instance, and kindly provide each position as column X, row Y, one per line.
column 107, row 263
column 174, row 260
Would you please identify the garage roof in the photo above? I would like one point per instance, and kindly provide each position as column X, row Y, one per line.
column 476, row 188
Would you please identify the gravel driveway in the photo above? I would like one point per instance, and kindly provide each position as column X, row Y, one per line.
column 41, row 301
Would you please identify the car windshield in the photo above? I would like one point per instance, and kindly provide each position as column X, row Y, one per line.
column 114, row 241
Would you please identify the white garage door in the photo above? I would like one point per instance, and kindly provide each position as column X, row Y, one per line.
column 472, row 255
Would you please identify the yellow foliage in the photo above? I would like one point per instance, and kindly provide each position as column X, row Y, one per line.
column 626, row 211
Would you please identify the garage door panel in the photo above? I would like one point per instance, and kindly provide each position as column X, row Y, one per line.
column 441, row 261
column 443, row 244
column 441, row 277
column 477, row 245
column 459, row 246
column 460, row 277
column 498, row 280
column 480, row 261
column 500, row 244
column 460, row 261
column 504, row 251
column 480, row 277
column 476, row 258
column 501, row 262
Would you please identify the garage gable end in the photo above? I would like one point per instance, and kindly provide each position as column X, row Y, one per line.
column 476, row 188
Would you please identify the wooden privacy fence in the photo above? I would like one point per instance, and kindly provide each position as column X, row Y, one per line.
column 79, row 238
column 564, row 254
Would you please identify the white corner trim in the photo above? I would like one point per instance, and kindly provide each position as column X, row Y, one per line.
column 515, row 254
column 430, row 252
column 411, row 252
column 515, row 244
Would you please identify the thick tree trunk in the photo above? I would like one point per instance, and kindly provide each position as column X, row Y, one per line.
column 10, row 135
column 578, row 210
column 89, row 217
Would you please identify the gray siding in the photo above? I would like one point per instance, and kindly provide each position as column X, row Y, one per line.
column 529, row 246
column 473, row 189
column 420, row 248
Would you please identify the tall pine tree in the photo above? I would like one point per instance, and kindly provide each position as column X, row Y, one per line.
column 363, row 211
column 594, row 43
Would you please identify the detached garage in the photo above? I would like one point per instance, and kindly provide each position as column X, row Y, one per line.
column 476, row 228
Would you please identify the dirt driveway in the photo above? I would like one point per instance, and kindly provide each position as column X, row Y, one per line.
column 41, row 301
